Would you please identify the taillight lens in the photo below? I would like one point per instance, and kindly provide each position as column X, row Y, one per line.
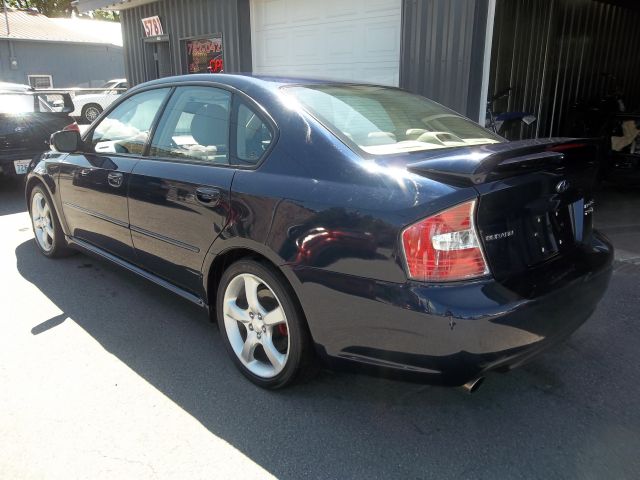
column 445, row 246
column 74, row 127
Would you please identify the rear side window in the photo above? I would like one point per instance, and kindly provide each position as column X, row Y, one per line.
column 195, row 126
column 126, row 128
column 253, row 136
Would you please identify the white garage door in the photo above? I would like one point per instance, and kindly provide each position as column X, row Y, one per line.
column 355, row 40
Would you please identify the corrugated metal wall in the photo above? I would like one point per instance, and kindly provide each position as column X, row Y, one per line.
column 442, row 51
column 69, row 64
column 554, row 53
column 188, row 18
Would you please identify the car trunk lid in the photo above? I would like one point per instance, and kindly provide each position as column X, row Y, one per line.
column 535, row 199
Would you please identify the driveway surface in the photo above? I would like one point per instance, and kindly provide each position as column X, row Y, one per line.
column 106, row 376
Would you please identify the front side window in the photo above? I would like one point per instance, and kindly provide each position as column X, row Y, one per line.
column 195, row 126
column 126, row 128
column 381, row 120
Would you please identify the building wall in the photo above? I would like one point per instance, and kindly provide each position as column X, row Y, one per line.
column 188, row 18
column 443, row 50
column 554, row 53
column 442, row 45
column 70, row 65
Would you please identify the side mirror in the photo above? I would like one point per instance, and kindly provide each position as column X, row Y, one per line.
column 66, row 141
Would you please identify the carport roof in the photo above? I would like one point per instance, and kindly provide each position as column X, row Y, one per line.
column 30, row 25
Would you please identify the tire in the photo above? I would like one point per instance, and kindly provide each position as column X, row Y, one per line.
column 90, row 112
column 49, row 237
column 255, row 344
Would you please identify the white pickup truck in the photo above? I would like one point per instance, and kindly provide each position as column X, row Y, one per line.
column 89, row 106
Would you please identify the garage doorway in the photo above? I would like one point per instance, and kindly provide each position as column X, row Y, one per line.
column 157, row 58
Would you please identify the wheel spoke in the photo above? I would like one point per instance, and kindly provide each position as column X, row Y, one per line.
column 48, row 229
column 276, row 358
column 249, row 348
column 45, row 211
column 46, row 243
column 232, row 310
column 274, row 317
column 251, row 285
column 40, row 205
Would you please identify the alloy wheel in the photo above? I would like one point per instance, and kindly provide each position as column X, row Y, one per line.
column 42, row 222
column 91, row 113
column 256, row 325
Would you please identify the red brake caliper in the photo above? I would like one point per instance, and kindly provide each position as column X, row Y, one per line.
column 282, row 329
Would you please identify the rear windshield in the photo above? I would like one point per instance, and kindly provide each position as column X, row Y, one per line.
column 19, row 103
column 382, row 120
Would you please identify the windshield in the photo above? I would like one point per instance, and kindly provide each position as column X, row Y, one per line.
column 111, row 85
column 381, row 120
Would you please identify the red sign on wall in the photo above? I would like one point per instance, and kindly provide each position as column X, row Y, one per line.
column 152, row 26
column 205, row 55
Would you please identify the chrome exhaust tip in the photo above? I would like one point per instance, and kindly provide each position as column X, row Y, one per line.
column 473, row 385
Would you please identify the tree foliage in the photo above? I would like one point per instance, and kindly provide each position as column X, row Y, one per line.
column 60, row 8
column 106, row 15
column 49, row 8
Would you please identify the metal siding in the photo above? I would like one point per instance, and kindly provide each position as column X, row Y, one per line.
column 442, row 51
column 69, row 64
column 189, row 18
column 551, row 52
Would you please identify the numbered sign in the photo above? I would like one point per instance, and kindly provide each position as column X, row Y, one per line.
column 152, row 26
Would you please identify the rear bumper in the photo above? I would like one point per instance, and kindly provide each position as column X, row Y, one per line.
column 447, row 334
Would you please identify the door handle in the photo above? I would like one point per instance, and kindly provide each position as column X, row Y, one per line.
column 208, row 195
column 115, row 179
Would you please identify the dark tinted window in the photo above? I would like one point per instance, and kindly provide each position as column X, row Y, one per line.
column 195, row 126
column 253, row 136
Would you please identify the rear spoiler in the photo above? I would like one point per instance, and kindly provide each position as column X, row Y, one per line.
column 469, row 166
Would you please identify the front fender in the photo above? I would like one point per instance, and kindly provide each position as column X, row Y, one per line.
column 45, row 172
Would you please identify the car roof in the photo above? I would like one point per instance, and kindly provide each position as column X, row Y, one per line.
column 245, row 79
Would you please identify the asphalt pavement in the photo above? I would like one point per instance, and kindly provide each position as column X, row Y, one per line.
column 104, row 375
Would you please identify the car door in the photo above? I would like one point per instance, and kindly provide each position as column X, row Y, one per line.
column 93, row 183
column 179, row 194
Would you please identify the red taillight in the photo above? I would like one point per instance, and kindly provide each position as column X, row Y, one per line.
column 73, row 127
column 445, row 246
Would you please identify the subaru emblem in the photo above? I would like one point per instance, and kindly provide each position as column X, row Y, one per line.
column 562, row 186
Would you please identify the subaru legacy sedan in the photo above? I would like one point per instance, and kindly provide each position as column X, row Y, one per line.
column 355, row 226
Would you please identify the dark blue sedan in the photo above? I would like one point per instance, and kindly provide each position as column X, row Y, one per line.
column 356, row 225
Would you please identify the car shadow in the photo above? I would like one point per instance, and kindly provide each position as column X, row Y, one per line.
column 12, row 195
column 341, row 425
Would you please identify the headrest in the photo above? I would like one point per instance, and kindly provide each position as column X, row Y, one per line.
column 210, row 125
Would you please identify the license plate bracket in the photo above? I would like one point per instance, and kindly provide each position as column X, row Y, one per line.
column 21, row 166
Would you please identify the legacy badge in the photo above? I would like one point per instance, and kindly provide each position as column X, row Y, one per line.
column 496, row 236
